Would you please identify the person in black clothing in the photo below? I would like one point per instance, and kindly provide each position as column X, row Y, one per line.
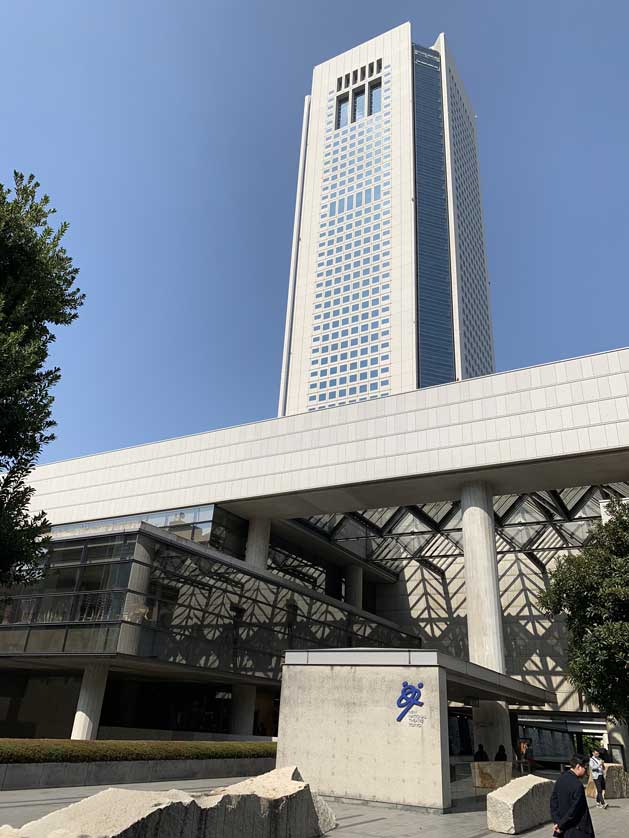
column 481, row 754
column 501, row 754
column 568, row 806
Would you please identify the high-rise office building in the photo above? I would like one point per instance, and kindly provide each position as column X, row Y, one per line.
column 388, row 283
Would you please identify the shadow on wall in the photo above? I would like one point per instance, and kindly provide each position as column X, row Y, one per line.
column 436, row 606
column 37, row 705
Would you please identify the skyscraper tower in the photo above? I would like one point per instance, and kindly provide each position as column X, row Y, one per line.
column 388, row 285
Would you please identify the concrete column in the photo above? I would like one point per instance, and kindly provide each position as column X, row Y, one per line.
column 354, row 585
column 257, row 550
column 140, row 575
column 484, row 613
column 89, row 705
column 242, row 709
column 617, row 733
column 136, row 607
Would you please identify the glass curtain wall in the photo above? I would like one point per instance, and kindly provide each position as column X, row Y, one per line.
column 434, row 283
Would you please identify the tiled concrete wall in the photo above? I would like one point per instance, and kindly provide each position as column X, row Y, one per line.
column 565, row 409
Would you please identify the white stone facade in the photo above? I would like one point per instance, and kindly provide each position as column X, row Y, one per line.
column 559, row 424
column 352, row 324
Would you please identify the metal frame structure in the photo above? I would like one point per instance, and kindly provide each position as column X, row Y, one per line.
column 537, row 525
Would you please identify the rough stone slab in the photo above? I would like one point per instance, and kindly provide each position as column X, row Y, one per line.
column 520, row 805
column 278, row 804
column 491, row 775
column 119, row 813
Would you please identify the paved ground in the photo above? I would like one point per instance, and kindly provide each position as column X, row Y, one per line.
column 370, row 821
column 354, row 819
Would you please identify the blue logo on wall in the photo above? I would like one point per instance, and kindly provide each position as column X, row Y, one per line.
column 409, row 697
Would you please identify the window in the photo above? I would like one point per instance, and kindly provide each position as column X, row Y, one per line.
column 375, row 97
column 379, row 66
column 342, row 111
column 358, row 110
column 371, row 68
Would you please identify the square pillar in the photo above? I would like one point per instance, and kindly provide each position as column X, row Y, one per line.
column 257, row 549
column 242, row 709
column 354, row 585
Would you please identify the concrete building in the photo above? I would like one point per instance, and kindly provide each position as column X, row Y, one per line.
column 388, row 282
column 181, row 571
column 185, row 567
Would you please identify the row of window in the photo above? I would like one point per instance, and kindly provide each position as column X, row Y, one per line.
column 345, row 392
column 365, row 70
column 355, row 200
column 364, row 101
column 345, row 351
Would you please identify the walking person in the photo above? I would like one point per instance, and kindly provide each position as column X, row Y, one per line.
column 568, row 804
column 597, row 768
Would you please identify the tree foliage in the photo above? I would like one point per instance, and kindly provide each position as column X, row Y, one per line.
column 36, row 294
column 591, row 591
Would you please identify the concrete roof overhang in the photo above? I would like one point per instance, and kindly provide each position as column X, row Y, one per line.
column 514, row 478
column 547, row 427
column 465, row 680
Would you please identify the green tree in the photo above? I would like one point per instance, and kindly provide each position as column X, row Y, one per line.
column 591, row 591
column 36, row 294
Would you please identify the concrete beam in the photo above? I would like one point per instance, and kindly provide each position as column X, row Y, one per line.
column 509, row 429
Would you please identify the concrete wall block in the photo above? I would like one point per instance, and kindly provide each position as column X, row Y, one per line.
column 23, row 776
column 65, row 774
column 102, row 773
column 520, row 805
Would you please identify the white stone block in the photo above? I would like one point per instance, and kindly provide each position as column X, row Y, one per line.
column 520, row 805
column 119, row 812
column 276, row 803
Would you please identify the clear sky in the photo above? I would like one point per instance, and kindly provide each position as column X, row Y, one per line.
column 167, row 133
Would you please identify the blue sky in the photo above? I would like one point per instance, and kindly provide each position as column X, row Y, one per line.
column 167, row 133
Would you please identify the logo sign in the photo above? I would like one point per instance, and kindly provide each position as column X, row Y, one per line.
column 409, row 697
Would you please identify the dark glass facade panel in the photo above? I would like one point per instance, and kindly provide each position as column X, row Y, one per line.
column 436, row 363
column 375, row 97
column 342, row 111
column 187, row 607
column 359, row 104
column 62, row 553
column 229, row 533
column 102, row 576
column 110, row 548
column 194, row 523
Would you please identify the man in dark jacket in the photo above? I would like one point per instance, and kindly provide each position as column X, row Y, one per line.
column 568, row 805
